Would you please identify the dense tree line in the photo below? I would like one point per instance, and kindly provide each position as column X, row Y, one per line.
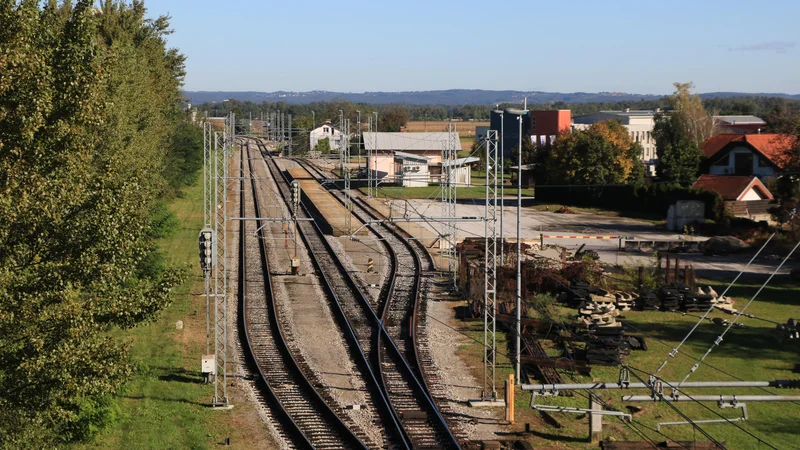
column 91, row 142
column 768, row 108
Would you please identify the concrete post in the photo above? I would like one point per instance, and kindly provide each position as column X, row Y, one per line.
column 595, row 420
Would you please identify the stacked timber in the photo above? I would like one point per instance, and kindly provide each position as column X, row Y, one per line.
column 670, row 298
column 648, row 302
column 607, row 345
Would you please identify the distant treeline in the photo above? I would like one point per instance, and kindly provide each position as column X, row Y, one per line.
column 764, row 107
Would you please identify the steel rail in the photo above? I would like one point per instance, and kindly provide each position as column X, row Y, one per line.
column 394, row 427
column 414, row 376
column 325, row 431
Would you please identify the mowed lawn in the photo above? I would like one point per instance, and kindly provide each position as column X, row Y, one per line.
column 750, row 353
column 165, row 405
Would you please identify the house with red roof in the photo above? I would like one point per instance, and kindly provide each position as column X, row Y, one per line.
column 744, row 196
column 761, row 155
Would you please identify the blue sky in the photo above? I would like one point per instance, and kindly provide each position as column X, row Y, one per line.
column 565, row 46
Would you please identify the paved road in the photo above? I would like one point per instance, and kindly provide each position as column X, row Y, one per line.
column 549, row 223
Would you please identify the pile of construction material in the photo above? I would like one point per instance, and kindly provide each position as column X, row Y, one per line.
column 648, row 302
column 677, row 296
column 671, row 298
column 597, row 314
column 625, row 301
column 791, row 330
column 607, row 345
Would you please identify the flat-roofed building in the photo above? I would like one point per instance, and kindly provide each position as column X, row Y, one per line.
column 638, row 123
column 740, row 124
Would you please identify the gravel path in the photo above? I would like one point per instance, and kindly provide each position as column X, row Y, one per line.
column 457, row 385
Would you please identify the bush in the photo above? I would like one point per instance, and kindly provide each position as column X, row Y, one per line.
column 653, row 198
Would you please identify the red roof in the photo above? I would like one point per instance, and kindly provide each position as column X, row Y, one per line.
column 731, row 187
column 773, row 146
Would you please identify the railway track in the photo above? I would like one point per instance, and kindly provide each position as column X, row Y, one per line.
column 287, row 383
column 404, row 367
column 353, row 311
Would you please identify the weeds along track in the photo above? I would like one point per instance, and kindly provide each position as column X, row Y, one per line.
column 286, row 383
column 403, row 367
column 353, row 313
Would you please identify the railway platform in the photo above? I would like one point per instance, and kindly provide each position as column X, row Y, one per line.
column 331, row 213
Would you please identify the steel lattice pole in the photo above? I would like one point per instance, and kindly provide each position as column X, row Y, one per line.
column 490, row 269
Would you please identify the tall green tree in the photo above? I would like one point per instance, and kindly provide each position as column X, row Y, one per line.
column 393, row 118
column 603, row 153
column 88, row 109
column 679, row 156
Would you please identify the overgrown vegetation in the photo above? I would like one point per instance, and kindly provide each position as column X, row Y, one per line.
column 92, row 140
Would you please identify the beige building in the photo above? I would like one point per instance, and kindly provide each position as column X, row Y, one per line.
column 382, row 148
column 638, row 123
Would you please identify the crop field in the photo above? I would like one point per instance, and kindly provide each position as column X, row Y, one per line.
column 465, row 129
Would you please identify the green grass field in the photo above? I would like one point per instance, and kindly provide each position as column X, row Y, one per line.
column 749, row 353
column 165, row 404
column 431, row 192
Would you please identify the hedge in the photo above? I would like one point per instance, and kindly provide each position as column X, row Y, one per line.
column 647, row 198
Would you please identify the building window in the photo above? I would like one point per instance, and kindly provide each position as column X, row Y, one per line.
column 722, row 162
column 533, row 123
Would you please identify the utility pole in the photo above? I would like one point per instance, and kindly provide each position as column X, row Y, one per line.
column 374, row 163
column 290, row 135
column 369, row 158
column 341, row 137
column 209, row 176
column 220, row 263
column 358, row 138
column 502, row 188
column 448, row 185
column 346, row 175
column 490, row 270
column 517, row 348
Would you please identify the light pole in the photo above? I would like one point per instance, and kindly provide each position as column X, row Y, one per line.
column 519, row 250
column 502, row 188
column 374, row 153
column 313, row 120
column 358, row 120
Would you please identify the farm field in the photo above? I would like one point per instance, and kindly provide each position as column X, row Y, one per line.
column 465, row 129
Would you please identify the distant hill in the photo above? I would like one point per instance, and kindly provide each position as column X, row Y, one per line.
column 445, row 97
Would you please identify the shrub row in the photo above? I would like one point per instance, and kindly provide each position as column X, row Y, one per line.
column 646, row 198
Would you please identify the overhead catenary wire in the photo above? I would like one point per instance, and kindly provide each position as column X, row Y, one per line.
column 736, row 319
column 660, row 395
column 711, row 308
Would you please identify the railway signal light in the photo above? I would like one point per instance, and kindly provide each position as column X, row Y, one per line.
column 295, row 192
column 206, row 251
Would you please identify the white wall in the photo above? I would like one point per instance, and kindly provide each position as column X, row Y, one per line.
column 325, row 131
column 729, row 167
column 412, row 173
